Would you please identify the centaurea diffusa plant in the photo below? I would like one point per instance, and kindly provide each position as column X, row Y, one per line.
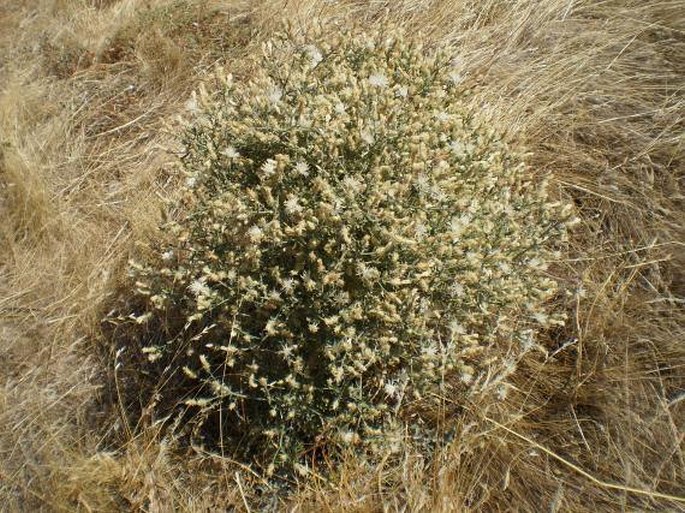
column 355, row 245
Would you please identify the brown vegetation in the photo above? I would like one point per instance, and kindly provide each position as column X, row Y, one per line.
column 594, row 90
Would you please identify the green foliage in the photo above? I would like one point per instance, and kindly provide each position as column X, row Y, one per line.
column 355, row 245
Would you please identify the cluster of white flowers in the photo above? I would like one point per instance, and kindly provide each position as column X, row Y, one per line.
column 355, row 240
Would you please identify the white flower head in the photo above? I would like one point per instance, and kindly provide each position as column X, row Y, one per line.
column 401, row 91
column 458, row 225
column 537, row 264
column 292, row 205
column 274, row 94
column 527, row 340
column 288, row 285
column 466, row 375
column 349, row 437
column 541, row 318
column 429, row 351
column 455, row 77
column 304, row 121
column 230, row 152
column 315, row 55
column 271, row 327
column 338, row 373
column 367, row 136
column 457, row 329
column 302, row 470
column 199, row 288
column 502, row 391
column 302, row 168
column 422, row 182
column 437, row 193
column 505, row 268
column 459, row 148
column 378, row 80
column 421, row 230
column 442, row 116
column 255, row 233
column 269, row 167
column 367, row 272
column 191, row 182
column 352, row 184
column 192, row 104
column 457, row 289
column 287, row 350
column 390, row 389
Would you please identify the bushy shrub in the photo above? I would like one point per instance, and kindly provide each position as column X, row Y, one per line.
column 355, row 244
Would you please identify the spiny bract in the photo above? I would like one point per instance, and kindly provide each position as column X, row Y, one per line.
column 355, row 245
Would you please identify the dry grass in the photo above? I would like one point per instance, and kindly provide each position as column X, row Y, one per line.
column 593, row 89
